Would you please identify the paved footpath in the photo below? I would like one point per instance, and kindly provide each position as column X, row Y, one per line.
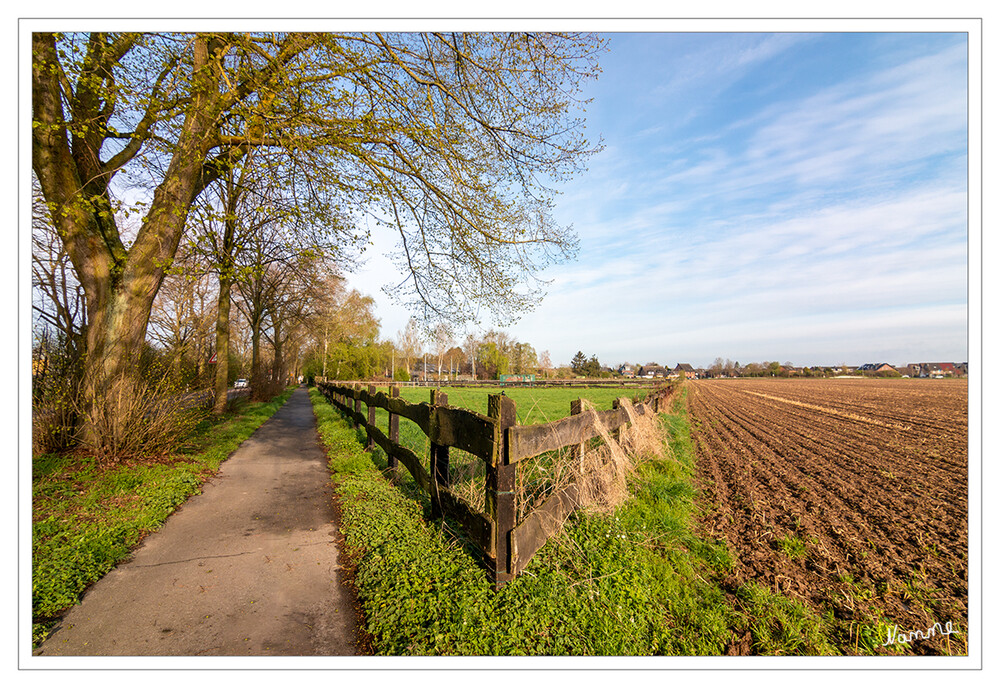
column 248, row 567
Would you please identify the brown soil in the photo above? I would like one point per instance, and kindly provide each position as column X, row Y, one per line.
column 871, row 476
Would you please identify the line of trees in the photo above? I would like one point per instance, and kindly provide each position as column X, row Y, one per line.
column 198, row 190
column 484, row 356
column 729, row 368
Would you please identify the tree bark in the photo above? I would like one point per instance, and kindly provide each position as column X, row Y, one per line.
column 255, row 376
column 222, row 345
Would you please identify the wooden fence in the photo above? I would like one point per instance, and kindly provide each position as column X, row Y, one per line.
column 497, row 439
column 638, row 383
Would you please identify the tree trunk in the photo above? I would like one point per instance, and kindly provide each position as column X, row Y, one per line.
column 255, row 353
column 228, row 248
column 278, row 363
column 222, row 345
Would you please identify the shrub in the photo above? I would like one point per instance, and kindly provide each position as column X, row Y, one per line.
column 55, row 382
column 136, row 418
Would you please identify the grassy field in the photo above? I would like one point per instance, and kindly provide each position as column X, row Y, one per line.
column 534, row 404
column 640, row 580
column 86, row 519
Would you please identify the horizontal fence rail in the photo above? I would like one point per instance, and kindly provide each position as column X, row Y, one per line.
column 497, row 440
column 644, row 383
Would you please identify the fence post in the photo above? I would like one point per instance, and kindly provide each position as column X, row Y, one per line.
column 500, row 479
column 393, row 434
column 616, row 434
column 357, row 403
column 576, row 450
column 371, row 420
column 439, row 458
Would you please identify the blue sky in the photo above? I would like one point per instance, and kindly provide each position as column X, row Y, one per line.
column 795, row 197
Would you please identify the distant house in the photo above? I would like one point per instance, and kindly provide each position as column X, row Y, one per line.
column 651, row 371
column 948, row 369
column 876, row 368
column 626, row 371
column 939, row 370
column 683, row 370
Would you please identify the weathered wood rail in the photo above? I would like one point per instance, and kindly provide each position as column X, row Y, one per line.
column 497, row 440
column 638, row 383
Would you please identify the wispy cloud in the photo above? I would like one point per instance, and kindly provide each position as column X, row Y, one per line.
column 812, row 210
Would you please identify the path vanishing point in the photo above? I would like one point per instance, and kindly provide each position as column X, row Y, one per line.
column 247, row 567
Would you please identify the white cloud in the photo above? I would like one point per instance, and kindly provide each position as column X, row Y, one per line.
column 900, row 252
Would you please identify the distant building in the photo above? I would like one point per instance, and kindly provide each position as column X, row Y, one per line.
column 938, row 370
column 683, row 370
column 651, row 371
column 876, row 368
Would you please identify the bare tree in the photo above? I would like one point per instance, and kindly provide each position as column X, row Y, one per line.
column 545, row 363
column 470, row 346
column 182, row 316
column 410, row 342
column 442, row 341
column 58, row 300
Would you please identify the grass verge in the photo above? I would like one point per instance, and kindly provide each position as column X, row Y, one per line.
column 86, row 519
column 638, row 581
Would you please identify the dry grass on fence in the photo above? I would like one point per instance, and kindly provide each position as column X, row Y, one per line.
column 602, row 473
column 468, row 478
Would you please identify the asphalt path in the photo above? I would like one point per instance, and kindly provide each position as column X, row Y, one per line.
column 249, row 567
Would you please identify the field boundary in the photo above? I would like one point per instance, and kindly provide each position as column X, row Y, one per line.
column 497, row 439
column 577, row 383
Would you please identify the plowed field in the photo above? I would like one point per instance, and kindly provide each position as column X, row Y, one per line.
column 850, row 495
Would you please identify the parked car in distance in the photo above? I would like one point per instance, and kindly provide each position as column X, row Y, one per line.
column 240, row 384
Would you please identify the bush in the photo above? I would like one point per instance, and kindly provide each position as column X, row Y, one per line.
column 53, row 422
column 55, row 383
column 135, row 418
column 264, row 385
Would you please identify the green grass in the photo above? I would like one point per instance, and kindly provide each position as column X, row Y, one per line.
column 781, row 626
column 86, row 519
column 534, row 404
column 639, row 581
column 792, row 546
